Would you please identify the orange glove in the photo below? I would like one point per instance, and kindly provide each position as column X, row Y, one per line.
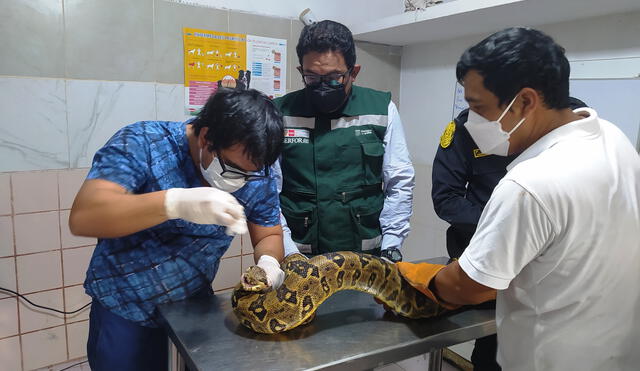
column 420, row 276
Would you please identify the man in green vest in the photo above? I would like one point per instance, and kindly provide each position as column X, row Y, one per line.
column 347, row 179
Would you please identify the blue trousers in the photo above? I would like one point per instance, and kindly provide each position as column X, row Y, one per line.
column 118, row 344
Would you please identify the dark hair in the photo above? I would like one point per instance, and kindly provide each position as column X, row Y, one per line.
column 516, row 58
column 245, row 117
column 324, row 36
column 575, row 103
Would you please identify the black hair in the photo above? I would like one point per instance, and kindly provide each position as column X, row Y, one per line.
column 245, row 117
column 517, row 58
column 575, row 103
column 326, row 36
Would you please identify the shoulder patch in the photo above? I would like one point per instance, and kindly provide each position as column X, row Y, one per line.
column 447, row 136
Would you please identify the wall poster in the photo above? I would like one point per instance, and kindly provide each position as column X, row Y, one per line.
column 215, row 59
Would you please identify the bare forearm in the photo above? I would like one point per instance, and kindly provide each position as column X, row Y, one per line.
column 270, row 245
column 453, row 286
column 107, row 214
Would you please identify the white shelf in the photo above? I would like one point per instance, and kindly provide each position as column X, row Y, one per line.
column 469, row 17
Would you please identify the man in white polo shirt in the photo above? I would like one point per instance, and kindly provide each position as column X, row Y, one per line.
column 559, row 238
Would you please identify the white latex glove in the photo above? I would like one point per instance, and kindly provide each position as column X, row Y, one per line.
column 271, row 267
column 206, row 205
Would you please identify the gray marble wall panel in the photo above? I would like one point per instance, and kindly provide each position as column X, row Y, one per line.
column 32, row 38
column 109, row 40
column 170, row 102
column 97, row 109
column 137, row 48
column 33, row 124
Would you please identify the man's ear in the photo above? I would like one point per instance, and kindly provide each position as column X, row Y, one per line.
column 201, row 137
column 530, row 101
column 355, row 71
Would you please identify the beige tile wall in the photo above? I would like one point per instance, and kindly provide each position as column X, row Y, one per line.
column 42, row 260
column 238, row 258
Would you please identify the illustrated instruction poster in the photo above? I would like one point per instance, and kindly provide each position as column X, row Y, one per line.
column 220, row 59
column 267, row 63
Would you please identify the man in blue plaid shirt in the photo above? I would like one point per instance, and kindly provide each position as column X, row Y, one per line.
column 164, row 199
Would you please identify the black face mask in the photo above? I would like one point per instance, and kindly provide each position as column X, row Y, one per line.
column 326, row 97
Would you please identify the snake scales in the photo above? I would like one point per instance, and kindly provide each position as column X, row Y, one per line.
column 309, row 282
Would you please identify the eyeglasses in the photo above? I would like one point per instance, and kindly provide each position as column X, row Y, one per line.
column 230, row 172
column 331, row 78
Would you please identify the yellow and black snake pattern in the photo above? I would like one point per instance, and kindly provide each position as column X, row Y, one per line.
column 309, row 282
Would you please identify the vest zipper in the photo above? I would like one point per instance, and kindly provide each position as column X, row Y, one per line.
column 306, row 221
column 358, row 217
column 344, row 196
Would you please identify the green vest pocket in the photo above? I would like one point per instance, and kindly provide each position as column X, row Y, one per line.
column 303, row 225
column 372, row 154
column 367, row 221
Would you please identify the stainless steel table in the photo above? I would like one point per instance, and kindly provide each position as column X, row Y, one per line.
column 350, row 331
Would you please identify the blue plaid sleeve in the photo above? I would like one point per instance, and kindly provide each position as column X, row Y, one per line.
column 124, row 159
column 261, row 202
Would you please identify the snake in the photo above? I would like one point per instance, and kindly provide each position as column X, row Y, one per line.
column 309, row 282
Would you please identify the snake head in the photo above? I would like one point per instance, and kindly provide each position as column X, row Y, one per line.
column 254, row 279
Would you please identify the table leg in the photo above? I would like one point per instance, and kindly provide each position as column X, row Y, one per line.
column 176, row 363
column 435, row 360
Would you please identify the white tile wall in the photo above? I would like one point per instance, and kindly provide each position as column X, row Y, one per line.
column 235, row 249
column 48, row 266
column 75, row 263
column 247, row 261
column 69, row 181
column 37, row 232
column 10, row 354
column 6, row 236
column 247, row 246
column 34, row 191
column 8, row 316
column 67, row 238
column 75, row 298
column 7, row 275
column 42, row 348
column 78, row 333
column 39, row 248
column 228, row 274
column 5, row 194
column 33, row 318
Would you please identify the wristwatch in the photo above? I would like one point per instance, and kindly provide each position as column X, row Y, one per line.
column 392, row 254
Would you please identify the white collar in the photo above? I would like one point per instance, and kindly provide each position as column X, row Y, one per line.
column 588, row 126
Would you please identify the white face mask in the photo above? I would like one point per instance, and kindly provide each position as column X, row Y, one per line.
column 488, row 135
column 213, row 176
